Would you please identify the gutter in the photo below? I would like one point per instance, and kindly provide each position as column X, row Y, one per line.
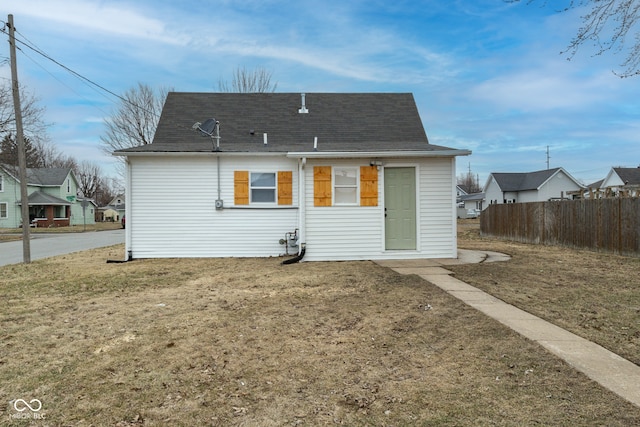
column 303, row 154
column 377, row 154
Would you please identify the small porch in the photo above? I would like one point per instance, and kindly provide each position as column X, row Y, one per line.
column 46, row 211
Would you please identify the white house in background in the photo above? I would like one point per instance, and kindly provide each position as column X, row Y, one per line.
column 538, row 186
column 471, row 201
column 620, row 177
column 326, row 175
column 460, row 192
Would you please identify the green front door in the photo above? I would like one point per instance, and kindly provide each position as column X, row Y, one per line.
column 400, row 208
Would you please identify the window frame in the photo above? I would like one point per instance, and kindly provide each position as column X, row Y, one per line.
column 273, row 188
column 356, row 186
column 6, row 210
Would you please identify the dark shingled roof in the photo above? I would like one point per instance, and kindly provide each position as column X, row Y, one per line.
column 523, row 181
column 44, row 177
column 630, row 176
column 40, row 198
column 341, row 121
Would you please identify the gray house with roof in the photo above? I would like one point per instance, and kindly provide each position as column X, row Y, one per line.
column 325, row 175
column 52, row 198
column 522, row 187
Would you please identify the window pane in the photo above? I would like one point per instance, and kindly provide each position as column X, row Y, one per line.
column 263, row 180
column 263, row 196
column 346, row 177
column 345, row 196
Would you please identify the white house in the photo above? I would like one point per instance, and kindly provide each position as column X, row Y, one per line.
column 620, row 178
column 538, row 186
column 329, row 176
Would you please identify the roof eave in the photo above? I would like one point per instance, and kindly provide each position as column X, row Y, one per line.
column 376, row 154
column 303, row 154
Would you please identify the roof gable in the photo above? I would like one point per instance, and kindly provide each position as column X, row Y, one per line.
column 629, row 176
column 44, row 177
column 341, row 122
column 47, row 176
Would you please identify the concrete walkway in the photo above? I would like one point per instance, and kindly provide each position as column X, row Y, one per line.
column 610, row 370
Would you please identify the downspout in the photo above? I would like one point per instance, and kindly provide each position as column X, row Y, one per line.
column 302, row 229
column 218, row 167
column 127, row 213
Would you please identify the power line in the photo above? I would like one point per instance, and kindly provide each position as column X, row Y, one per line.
column 30, row 45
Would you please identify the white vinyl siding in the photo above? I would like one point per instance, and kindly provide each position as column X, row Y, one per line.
column 171, row 214
column 357, row 232
column 171, row 211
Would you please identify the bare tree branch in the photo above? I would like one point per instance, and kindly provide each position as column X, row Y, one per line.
column 244, row 81
column 89, row 177
column 135, row 119
column 34, row 126
column 611, row 26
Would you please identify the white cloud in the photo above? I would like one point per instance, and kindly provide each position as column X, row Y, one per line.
column 98, row 17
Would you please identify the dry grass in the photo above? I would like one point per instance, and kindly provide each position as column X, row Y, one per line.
column 250, row 342
column 594, row 295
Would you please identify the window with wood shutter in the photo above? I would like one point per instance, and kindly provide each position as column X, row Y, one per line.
column 241, row 187
column 345, row 186
column 262, row 187
column 368, row 186
column 285, row 188
column 322, row 185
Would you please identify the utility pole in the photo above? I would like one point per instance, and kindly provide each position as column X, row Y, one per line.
column 22, row 158
column 548, row 157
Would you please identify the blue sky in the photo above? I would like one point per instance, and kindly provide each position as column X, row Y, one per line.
column 486, row 75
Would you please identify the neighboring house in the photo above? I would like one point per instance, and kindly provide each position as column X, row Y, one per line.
column 115, row 210
column 539, row 186
column 471, row 201
column 51, row 197
column 620, row 179
column 460, row 192
column 342, row 176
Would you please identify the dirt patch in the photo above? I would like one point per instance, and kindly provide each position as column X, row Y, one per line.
column 252, row 342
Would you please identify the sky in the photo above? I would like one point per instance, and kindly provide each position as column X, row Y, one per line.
column 487, row 75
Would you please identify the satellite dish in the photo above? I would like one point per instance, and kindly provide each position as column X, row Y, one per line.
column 208, row 126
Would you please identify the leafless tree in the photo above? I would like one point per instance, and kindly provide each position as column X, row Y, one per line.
column 469, row 183
column 134, row 121
column 88, row 175
column 34, row 126
column 107, row 190
column 245, row 81
column 610, row 25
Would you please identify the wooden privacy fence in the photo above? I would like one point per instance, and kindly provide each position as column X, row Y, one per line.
column 611, row 225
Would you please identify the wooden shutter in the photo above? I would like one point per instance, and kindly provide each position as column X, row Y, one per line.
column 368, row 186
column 322, row 185
column 285, row 188
column 241, row 187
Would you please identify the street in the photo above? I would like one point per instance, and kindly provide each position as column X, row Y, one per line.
column 48, row 245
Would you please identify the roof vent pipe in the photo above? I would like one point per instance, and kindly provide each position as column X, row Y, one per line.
column 303, row 109
column 315, row 143
column 264, row 138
